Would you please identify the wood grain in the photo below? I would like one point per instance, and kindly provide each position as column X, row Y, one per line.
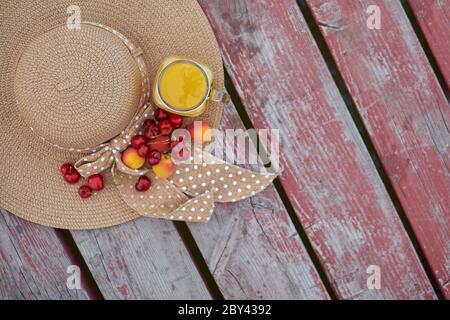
column 328, row 174
column 142, row 259
column 404, row 110
column 434, row 20
column 252, row 248
column 33, row 262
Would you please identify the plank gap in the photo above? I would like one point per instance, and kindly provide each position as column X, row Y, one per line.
column 235, row 98
column 426, row 48
column 76, row 258
column 199, row 260
column 351, row 107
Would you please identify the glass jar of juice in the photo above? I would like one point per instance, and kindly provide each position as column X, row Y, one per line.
column 183, row 86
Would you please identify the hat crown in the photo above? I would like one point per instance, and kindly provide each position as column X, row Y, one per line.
column 77, row 88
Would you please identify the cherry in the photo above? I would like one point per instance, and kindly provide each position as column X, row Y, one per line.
column 149, row 122
column 165, row 126
column 137, row 140
column 161, row 114
column 176, row 120
column 95, row 182
column 153, row 157
column 84, row 191
column 151, row 130
column 65, row 168
column 160, row 143
column 143, row 150
column 143, row 184
column 72, row 176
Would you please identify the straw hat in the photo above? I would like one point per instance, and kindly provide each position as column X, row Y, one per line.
column 64, row 91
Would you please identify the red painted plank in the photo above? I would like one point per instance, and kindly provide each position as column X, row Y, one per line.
column 34, row 262
column 434, row 20
column 252, row 248
column 141, row 259
column 329, row 176
column 404, row 110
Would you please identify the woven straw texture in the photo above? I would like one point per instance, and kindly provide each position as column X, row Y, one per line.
column 67, row 105
column 30, row 183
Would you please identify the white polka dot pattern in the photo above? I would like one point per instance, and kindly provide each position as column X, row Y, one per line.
column 198, row 209
column 163, row 200
column 228, row 182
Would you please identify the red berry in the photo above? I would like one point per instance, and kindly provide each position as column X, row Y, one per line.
column 143, row 150
column 95, row 182
column 176, row 120
column 65, row 168
column 161, row 114
column 160, row 143
column 165, row 126
column 72, row 176
column 143, row 184
column 154, row 157
column 137, row 140
column 149, row 122
column 151, row 131
column 84, row 191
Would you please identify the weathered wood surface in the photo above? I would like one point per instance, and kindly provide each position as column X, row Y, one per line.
column 252, row 248
column 434, row 19
column 329, row 176
column 404, row 110
column 33, row 262
column 141, row 259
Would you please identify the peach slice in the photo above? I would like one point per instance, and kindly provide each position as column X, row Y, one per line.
column 165, row 167
column 132, row 159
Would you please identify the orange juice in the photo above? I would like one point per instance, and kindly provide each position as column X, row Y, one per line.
column 183, row 85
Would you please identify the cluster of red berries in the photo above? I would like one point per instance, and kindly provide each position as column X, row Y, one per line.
column 152, row 145
column 155, row 139
column 71, row 176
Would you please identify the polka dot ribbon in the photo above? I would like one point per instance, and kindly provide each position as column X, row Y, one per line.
column 190, row 193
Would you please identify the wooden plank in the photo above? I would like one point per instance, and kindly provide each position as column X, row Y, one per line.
column 329, row 176
column 252, row 247
column 434, row 20
column 404, row 110
column 142, row 259
column 34, row 262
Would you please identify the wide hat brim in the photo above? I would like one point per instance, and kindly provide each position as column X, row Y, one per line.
column 30, row 183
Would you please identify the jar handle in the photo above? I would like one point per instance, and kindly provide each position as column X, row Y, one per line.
column 219, row 96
